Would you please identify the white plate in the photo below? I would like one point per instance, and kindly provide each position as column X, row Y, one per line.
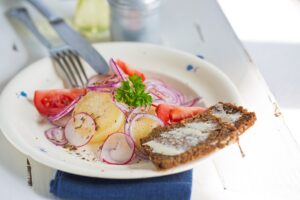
column 19, row 119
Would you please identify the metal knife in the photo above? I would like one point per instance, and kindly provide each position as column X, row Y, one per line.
column 73, row 39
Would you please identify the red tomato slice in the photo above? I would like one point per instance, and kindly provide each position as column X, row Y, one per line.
column 163, row 112
column 170, row 113
column 128, row 70
column 51, row 102
column 180, row 113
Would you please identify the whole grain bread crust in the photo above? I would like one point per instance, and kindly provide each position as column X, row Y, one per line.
column 223, row 135
column 246, row 120
column 218, row 139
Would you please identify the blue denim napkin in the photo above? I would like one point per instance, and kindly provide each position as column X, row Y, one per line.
column 73, row 187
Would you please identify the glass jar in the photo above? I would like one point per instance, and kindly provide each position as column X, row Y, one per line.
column 135, row 20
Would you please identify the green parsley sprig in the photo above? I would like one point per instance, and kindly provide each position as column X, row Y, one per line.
column 132, row 92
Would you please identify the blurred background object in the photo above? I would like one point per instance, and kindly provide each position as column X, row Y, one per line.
column 91, row 18
column 135, row 20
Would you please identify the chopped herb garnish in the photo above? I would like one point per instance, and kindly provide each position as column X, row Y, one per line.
column 132, row 92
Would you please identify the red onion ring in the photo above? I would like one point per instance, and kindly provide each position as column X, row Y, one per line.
column 178, row 94
column 99, row 79
column 107, row 90
column 56, row 135
column 116, row 69
column 140, row 115
column 118, row 149
column 156, row 102
column 123, row 107
column 191, row 102
column 65, row 111
column 114, row 79
column 62, row 121
column 138, row 110
column 166, row 94
column 104, row 88
column 161, row 93
column 139, row 152
column 151, row 82
column 109, row 85
column 159, row 90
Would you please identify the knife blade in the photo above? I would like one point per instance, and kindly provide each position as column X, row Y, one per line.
column 73, row 39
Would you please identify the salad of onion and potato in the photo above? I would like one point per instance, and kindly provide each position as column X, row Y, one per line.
column 113, row 112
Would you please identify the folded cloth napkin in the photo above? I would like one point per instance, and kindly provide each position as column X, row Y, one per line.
column 171, row 187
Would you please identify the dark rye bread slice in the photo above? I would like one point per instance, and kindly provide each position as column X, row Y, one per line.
column 225, row 111
column 224, row 133
column 218, row 138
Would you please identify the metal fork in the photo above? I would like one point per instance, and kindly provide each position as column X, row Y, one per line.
column 66, row 58
column 69, row 62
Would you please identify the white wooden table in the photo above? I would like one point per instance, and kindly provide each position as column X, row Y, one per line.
column 271, row 168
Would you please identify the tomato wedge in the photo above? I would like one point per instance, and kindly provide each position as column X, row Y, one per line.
column 128, row 70
column 180, row 113
column 163, row 112
column 171, row 113
column 51, row 102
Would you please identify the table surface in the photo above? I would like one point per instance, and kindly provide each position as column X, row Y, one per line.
column 271, row 168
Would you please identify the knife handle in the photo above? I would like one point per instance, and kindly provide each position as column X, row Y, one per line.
column 38, row 4
column 22, row 14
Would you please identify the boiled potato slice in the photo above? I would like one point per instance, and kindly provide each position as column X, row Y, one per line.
column 152, row 110
column 141, row 128
column 108, row 117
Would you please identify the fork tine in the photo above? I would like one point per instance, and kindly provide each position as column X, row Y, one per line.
column 71, row 57
column 66, row 60
column 61, row 65
column 80, row 65
column 72, row 68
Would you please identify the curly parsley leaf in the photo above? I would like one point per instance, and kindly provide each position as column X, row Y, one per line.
column 132, row 92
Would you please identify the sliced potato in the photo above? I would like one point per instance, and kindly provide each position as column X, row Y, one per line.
column 142, row 127
column 108, row 117
column 152, row 110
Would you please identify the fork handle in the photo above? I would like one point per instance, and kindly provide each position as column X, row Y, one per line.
column 38, row 4
column 22, row 14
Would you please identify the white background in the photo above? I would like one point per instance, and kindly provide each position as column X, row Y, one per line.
column 270, row 31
